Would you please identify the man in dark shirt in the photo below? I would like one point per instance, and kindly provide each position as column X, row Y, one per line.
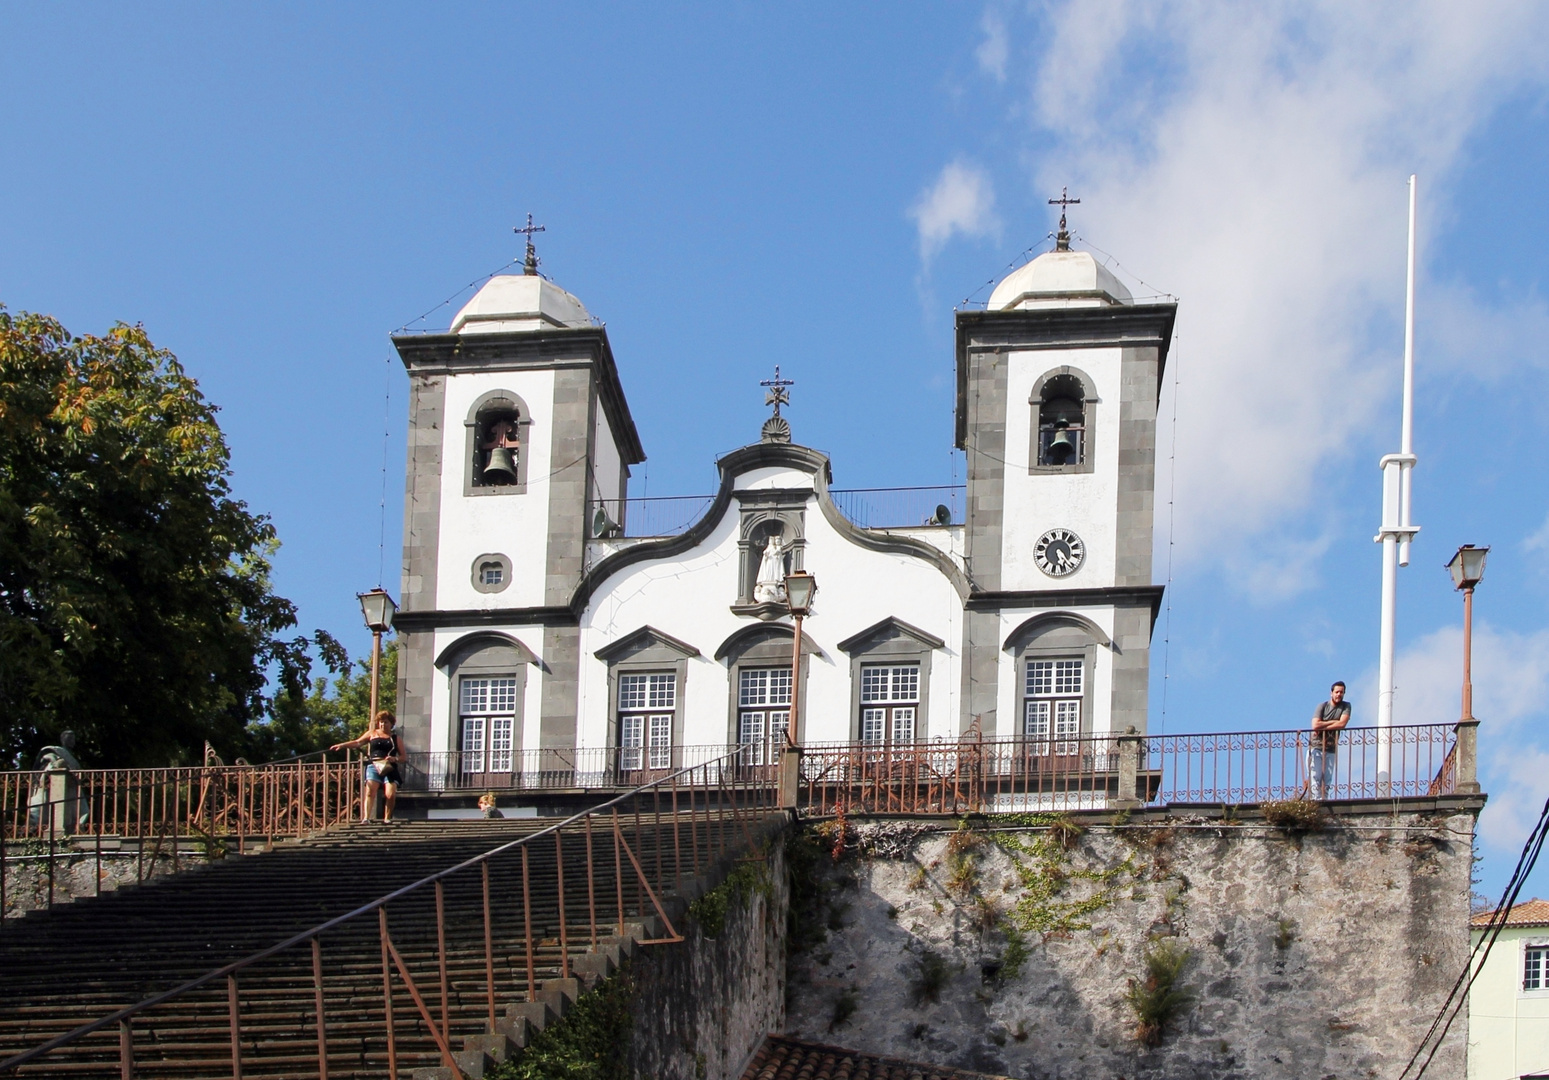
column 1323, row 754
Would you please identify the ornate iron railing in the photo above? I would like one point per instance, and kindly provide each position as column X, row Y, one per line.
column 976, row 775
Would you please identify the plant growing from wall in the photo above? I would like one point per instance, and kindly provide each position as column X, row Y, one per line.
column 844, row 1008
column 748, row 879
column 591, row 1041
column 1043, row 867
column 931, row 972
column 1158, row 999
column 1295, row 815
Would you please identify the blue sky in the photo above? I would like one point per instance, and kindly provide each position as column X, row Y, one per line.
column 273, row 190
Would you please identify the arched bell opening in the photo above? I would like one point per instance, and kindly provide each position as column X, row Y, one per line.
column 498, row 429
column 1062, row 422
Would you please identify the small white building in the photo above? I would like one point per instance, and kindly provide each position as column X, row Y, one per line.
column 1508, row 1005
column 539, row 611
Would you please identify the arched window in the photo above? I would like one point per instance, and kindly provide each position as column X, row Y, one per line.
column 1063, row 403
column 498, row 427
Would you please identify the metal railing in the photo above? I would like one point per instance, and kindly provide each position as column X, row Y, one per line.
column 870, row 508
column 596, row 768
column 717, row 807
column 73, row 811
column 976, row 775
column 900, row 508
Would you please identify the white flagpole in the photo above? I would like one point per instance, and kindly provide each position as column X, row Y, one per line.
column 1397, row 530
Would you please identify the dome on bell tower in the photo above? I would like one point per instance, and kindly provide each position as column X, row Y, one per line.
column 519, row 302
column 1059, row 279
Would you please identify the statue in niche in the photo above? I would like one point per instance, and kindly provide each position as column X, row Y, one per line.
column 770, row 586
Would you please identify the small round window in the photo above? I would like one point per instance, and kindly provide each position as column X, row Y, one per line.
column 491, row 573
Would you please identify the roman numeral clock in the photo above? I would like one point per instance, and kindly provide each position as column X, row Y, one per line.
column 1059, row 553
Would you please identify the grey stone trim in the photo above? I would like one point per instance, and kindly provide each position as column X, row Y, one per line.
column 1052, row 644
column 981, row 669
column 887, row 628
column 476, row 575
column 471, row 450
column 646, row 654
column 1137, row 326
column 483, row 656
column 1129, row 596
column 516, row 350
column 422, row 494
column 637, row 640
column 759, row 648
column 749, row 636
column 1131, row 668
column 416, row 685
column 436, row 620
column 561, row 686
column 892, row 641
column 1041, row 623
column 1089, row 423
column 1139, row 387
column 570, row 450
column 452, row 656
column 984, row 395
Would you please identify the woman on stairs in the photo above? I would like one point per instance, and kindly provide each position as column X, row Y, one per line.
column 383, row 751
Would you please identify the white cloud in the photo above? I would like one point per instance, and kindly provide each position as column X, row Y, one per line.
column 1251, row 159
column 1511, row 700
column 995, row 49
column 1539, row 540
column 961, row 201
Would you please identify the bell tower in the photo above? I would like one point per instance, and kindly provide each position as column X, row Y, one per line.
column 519, row 438
column 1057, row 385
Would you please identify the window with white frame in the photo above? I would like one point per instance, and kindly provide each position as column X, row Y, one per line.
column 1052, row 704
column 890, row 702
column 763, row 712
column 646, row 703
column 1533, row 967
column 487, row 709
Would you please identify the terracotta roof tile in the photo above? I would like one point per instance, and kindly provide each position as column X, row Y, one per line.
column 783, row 1058
column 1533, row 912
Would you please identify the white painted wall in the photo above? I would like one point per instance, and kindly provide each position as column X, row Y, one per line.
column 690, row 598
column 606, row 461
column 1084, row 502
column 1508, row 1027
column 513, row 525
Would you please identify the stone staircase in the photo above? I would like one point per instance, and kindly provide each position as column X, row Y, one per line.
column 63, row 968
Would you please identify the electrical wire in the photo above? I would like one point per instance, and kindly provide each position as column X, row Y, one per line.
column 1458, row 996
column 472, row 284
column 1172, row 491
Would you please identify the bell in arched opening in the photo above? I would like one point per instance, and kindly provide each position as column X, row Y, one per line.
column 1062, row 422
column 500, row 445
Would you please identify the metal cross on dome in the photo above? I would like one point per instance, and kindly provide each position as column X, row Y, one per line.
column 778, row 393
column 530, row 266
column 1062, row 238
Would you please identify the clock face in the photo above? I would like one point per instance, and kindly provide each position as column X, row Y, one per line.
column 1059, row 552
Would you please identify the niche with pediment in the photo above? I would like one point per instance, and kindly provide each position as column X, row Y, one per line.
column 771, row 544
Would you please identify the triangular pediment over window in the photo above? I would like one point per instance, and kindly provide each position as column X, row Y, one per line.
column 638, row 641
column 888, row 628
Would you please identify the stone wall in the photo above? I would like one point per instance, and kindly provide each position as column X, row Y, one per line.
column 76, row 873
column 999, row 948
column 704, row 1005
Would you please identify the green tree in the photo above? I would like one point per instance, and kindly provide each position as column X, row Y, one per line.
column 303, row 721
column 136, row 606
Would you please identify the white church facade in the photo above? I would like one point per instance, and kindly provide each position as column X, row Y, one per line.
column 538, row 615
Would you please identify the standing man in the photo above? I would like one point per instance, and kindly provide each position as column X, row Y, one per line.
column 1323, row 753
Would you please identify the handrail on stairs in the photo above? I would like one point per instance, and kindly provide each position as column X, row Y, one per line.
column 720, row 778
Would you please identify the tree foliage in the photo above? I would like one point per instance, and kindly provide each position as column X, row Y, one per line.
column 136, row 606
column 314, row 718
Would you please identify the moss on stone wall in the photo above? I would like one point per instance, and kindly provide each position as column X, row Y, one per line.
column 750, row 878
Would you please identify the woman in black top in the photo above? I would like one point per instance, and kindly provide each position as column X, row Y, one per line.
column 383, row 751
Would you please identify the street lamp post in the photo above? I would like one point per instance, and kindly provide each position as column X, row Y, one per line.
column 1467, row 569
column 378, row 609
column 800, row 588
